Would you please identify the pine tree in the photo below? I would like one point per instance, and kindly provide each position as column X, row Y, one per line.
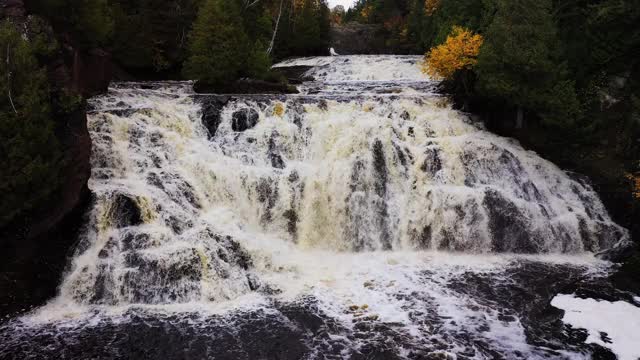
column 218, row 44
column 520, row 62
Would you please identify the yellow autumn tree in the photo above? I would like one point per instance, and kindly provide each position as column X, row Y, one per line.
column 430, row 6
column 459, row 51
column 366, row 12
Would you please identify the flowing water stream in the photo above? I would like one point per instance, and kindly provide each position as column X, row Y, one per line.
column 363, row 218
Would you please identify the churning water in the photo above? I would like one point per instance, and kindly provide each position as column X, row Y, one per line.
column 363, row 218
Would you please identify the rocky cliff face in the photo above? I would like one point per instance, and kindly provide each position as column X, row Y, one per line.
column 33, row 250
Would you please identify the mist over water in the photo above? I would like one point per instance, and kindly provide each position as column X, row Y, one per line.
column 364, row 203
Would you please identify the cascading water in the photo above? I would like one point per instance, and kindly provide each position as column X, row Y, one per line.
column 364, row 201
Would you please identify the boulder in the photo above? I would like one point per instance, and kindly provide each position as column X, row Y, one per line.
column 244, row 119
column 211, row 108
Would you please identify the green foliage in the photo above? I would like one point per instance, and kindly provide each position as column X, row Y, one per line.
column 152, row 34
column 520, row 62
column 29, row 153
column 218, row 44
column 465, row 13
column 229, row 41
column 258, row 62
column 304, row 29
column 90, row 21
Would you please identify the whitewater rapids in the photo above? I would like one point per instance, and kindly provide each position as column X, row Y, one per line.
column 363, row 202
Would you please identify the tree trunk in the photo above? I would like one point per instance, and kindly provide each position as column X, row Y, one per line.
column 275, row 31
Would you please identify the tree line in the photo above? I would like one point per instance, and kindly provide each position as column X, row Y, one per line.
column 172, row 38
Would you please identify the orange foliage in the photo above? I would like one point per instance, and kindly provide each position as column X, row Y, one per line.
column 459, row 52
column 336, row 19
column 430, row 6
column 635, row 183
column 367, row 11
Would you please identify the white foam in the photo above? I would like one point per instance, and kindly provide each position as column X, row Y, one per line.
column 361, row 68
column 620, row 320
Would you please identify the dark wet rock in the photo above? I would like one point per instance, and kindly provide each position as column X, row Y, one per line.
column 211, row 108
column 293, row 177
column 267, row 191
column 178, row 225
column 111, row 246
column 244, row 119
column 509, row 230
column 157, row 279
column 292, row 221
column 235, row 254
column 400, row 155
column 155, row 180
column 274, row 156
column 125, row 211
column 432, row 163
column 176, row 188
column 380, row 168
column 136, row 241
column 619, row 253
column 125, row 112
column 277, row 161
column 425, row 237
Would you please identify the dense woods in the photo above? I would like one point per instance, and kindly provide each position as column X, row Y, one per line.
column 154, row 39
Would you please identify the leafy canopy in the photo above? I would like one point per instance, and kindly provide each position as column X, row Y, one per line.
column 459, row 52
column 218, row 44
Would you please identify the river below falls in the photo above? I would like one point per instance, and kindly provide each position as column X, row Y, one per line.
column 363, row 218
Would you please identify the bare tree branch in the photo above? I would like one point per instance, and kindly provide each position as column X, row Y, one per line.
column 275, row 31
column 250, row 5
column 9, row 80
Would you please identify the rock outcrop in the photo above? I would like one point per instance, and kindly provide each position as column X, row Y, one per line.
column 34, row 249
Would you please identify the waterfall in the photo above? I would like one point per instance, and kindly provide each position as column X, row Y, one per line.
column 177, row 175
column 366, row 188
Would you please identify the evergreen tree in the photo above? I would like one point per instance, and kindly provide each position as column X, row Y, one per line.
column 307, row 30
column 520, row 62
column 152, row 34
column 91, row 22
column 29, row 153
column 258, row 62
column 218, row 44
